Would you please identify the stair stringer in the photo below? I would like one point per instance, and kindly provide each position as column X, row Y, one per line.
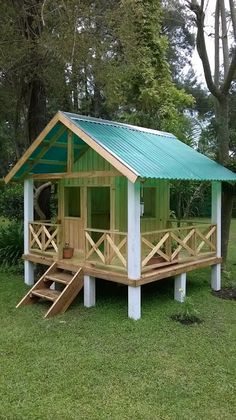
column 67, row 296
column 28, row 298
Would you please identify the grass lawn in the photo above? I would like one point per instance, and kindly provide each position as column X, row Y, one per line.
column 97, row 364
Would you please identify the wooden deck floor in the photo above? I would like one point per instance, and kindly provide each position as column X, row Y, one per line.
column 118, row 274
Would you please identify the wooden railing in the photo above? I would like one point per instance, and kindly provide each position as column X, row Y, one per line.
column 178, row 244
column 44, row 237
column 109, row 247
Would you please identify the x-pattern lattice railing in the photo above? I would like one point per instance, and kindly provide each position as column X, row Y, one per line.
column 185, row 243
column 44, row 237
column 110, row 248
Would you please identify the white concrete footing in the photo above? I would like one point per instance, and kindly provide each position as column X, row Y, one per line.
column 216, row 277
column 89, row 291
column 29, row 273
column 180, row 287
column 134, row 302
column 53, row 286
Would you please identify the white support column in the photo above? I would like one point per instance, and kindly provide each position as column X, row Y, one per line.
column 134, row 238
column 28, row 217
column 134, row 302
column 89, row 291
column 180, row 287
column 216, row 219
column 134, row 249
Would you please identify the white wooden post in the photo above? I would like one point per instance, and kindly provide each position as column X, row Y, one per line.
column 89, row 291
column 134, row 302
column 216, row 218
column 134, row 249
column 28, row 217
column 180, row 287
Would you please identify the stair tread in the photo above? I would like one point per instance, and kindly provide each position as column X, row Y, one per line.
column 73, row 280
column 60, row 277
column 48, row 294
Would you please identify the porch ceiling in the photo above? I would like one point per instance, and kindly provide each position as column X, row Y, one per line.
column 50, row 155
column 134, row 151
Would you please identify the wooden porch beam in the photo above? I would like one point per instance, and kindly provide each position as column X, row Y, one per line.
column 66, row 175
column 49, row 162
column 63, row 145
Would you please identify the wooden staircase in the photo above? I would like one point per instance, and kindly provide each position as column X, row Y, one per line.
column 71, row 282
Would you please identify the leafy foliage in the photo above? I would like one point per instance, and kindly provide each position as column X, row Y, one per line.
column 146, row 94
column 191, row 199
column 106, row 59
column 11, row 243
column 11, row 201
column 188, row 309
column 177, row 26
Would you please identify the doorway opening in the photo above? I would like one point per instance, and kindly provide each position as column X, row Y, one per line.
column 98, row 209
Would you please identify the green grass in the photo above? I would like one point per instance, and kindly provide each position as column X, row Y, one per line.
column 97, row 364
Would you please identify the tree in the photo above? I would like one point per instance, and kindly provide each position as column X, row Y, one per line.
column 144, row 91
column 177, row 27
column 220, row 89
column 101, row 58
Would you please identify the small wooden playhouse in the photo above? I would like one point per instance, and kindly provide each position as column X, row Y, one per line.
column 113, row 209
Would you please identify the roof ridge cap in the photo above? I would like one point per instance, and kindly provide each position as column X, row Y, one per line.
column 119, row 124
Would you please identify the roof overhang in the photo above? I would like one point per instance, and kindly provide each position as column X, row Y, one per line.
column 134, row 152
column 68, row 126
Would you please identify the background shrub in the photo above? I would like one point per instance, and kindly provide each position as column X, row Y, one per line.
column 11, row 243
column 12, row 201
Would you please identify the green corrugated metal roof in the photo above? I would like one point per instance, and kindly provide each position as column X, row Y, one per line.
column 147, row 153
column 150, row 153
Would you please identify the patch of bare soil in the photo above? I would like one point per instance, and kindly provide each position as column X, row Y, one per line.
column 226, row 293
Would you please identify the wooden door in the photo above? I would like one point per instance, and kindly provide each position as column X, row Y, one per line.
column 73, row 225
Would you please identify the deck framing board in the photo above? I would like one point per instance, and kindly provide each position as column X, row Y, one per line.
column 106, row 274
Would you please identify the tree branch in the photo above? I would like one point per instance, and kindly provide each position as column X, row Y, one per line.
column 201, row 47
column 42, row 12
column 217, row 45
column 230, row 75
column 224, row 37
column 233, row 16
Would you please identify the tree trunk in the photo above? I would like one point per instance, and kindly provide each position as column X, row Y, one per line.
column 226, row 214
column 37, row 109
column 222, row 129
column 97, row 102
column 222, row 123
column 233, row 16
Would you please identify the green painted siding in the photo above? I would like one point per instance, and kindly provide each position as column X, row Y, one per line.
column 92, row 161
column 162, row 205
